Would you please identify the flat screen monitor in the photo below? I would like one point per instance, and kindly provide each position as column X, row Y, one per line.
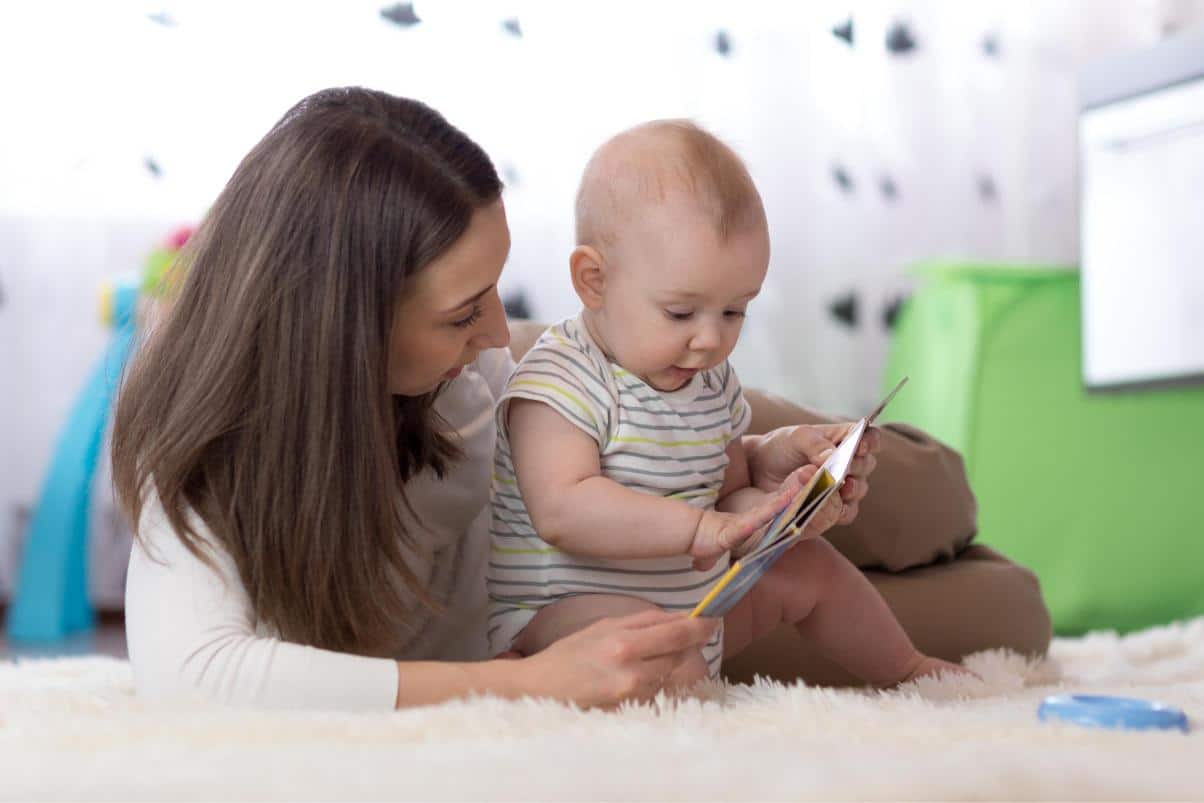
column 1141, row 148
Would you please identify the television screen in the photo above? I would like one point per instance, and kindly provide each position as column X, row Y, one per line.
column 1141, row 141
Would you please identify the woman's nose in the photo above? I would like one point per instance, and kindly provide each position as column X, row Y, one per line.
column 495, row 333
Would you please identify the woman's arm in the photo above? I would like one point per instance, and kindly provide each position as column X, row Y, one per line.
column 612, row 660
column 191, row 632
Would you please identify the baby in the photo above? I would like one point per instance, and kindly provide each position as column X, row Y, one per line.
column 620, row 482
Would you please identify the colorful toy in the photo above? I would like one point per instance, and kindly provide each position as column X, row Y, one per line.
column 159, row 261
column 51, row 598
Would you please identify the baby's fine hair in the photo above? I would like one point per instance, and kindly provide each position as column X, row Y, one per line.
column 661, row 161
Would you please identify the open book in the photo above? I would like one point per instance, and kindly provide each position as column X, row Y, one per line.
column 786, row 530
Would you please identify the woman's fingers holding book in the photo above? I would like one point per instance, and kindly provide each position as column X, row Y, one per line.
column 618, row 658
column 670, row 635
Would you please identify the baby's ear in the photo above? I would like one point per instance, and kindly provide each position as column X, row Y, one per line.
column 589, row 275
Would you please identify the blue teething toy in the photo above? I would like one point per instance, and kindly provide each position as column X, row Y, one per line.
column 1112, row 712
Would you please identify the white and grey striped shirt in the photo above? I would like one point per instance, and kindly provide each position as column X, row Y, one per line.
column 671, row 444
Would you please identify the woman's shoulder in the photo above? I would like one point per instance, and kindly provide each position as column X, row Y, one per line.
column 160, row 540
column 495, row 366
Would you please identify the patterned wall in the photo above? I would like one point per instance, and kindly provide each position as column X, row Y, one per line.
column 879, row 132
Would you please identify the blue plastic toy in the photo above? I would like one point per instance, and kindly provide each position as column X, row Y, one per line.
column 51, row 600
column 1112, row 712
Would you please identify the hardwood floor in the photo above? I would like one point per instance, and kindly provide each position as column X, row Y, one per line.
column 107, row 638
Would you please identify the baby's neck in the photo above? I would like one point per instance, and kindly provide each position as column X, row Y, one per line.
column 595, row 331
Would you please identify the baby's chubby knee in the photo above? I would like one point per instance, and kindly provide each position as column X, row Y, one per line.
column 815, row 556
column 813, row 562
column 817, row 548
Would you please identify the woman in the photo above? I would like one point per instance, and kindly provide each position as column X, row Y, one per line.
column 305, row 442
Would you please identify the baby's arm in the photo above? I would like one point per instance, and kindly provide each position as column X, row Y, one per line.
column 575, row 508
column 738, row 493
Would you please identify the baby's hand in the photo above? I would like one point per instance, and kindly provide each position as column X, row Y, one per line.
column 826, row 517
column 718, row 533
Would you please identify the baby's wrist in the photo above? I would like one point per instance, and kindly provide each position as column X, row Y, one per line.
column 697, row 548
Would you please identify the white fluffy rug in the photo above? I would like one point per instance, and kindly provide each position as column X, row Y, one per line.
column 73, row 729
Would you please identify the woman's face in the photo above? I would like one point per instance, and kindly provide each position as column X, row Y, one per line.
column 450, row 310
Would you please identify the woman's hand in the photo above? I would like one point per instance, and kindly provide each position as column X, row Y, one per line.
column 774, row 456
column 615, row 660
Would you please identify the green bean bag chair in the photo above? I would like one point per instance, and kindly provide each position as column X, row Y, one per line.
column 1099, row 493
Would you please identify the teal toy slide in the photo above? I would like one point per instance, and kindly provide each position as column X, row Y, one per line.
column 51, row 600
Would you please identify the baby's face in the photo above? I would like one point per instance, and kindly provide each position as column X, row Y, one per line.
column 675, row 295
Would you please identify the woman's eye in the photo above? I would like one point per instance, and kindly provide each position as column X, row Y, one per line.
column 733, row 313
column 679, row 315
column 468, row 321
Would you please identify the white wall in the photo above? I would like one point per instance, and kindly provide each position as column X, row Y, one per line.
column 92, row 90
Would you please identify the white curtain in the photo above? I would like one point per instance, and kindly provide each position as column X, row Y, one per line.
column 120, row 124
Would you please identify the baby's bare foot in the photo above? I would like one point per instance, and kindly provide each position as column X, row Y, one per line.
column 927, row 666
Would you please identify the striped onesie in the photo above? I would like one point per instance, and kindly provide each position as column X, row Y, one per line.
column 665, row 443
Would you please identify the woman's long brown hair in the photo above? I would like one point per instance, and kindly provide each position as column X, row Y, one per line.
column 261, row 403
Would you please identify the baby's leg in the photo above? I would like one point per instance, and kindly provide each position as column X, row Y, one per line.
column 831, row 603
column 565, row 617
